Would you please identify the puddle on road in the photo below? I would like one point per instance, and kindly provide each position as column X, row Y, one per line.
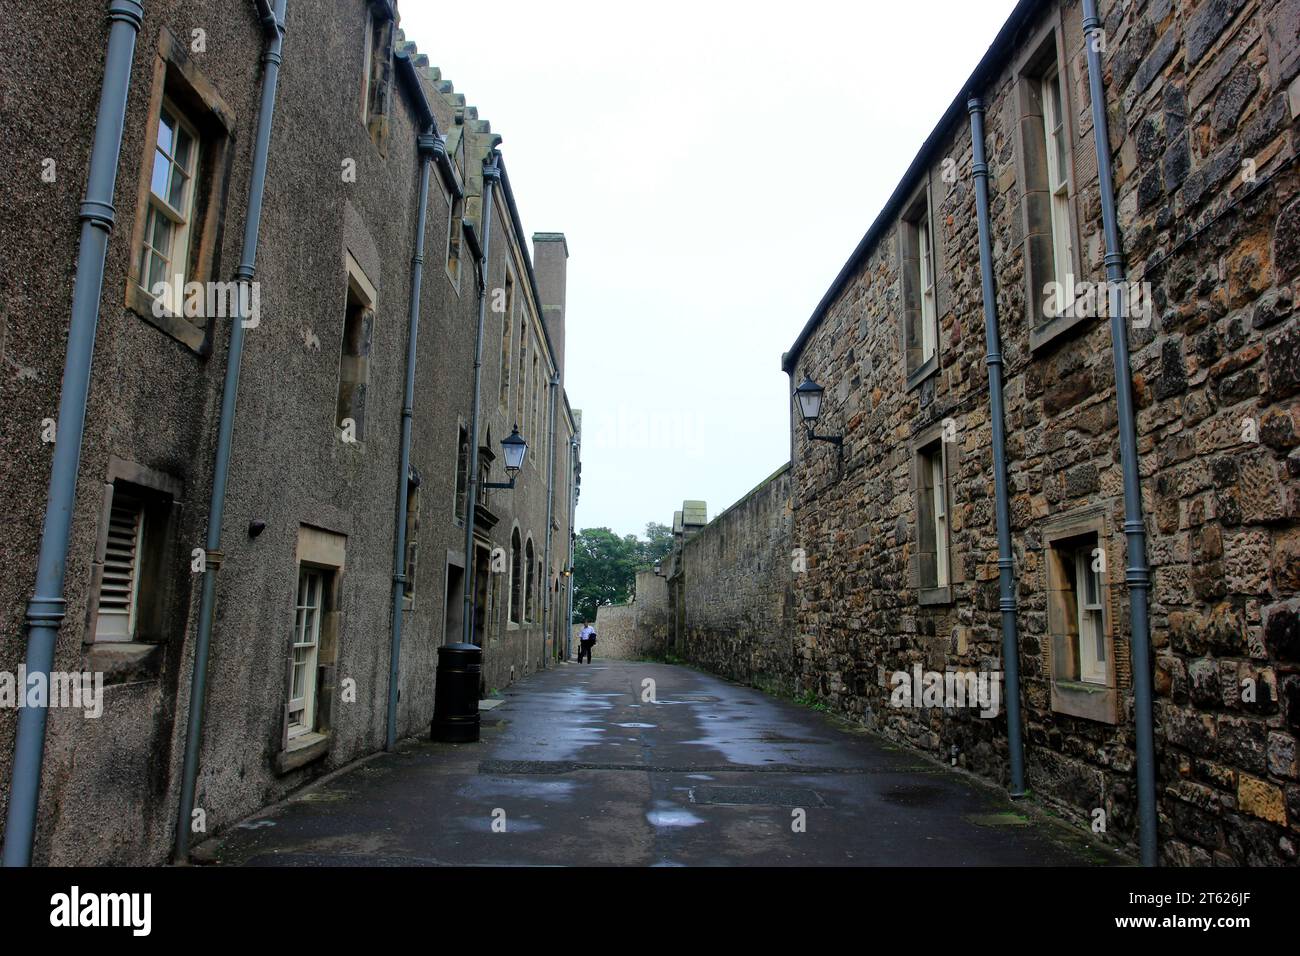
column 667, row 814
column 672, row 818
column 633, row 724
column 485, row 786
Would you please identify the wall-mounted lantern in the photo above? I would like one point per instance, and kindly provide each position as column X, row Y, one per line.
column 809, row 396
column 659, row 569
column 515, row 448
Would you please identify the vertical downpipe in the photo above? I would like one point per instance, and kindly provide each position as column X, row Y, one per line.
column 274, row 25
column 1006, row 563
column 428, row 144
column 1137, row 574
column 45, row 609
column 491, row 175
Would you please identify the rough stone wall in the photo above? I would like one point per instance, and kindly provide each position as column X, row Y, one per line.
column 638, row 629
column 738, row 590
column 1193, row 90
column 616, row 634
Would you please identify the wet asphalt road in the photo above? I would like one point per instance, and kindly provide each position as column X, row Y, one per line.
column 576, row 768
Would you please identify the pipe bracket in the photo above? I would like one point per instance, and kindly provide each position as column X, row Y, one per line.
column 99, row 214
column 127, row 11
column 46, row 611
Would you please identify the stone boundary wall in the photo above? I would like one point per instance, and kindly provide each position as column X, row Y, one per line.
column 637, row 629
column 737, row 579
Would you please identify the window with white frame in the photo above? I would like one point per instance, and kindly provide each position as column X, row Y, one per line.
column 933, row 514
column 306, row 646
column 165, row 249
column 1083, row 597
column 917, row 258
column 1058, row 182
column 119, row 590
column 933, row 562
column 929, row 318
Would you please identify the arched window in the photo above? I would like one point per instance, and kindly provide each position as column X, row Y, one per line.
column 516, row 578
column 532, row 576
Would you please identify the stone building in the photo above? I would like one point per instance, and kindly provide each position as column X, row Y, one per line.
column 889, row 542
column 306, row 578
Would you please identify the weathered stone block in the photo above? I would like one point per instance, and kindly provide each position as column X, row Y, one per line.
column 1206, row 24
column 1261, row 799
column 1282, row 755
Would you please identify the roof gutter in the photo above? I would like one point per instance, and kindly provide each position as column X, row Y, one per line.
column 409, row 74
column 997, row 54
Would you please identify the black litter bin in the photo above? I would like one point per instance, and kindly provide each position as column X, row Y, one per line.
column 455, row 698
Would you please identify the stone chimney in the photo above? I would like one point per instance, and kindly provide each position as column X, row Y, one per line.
column 550, row 265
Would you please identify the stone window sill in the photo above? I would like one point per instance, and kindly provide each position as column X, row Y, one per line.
column 927, row 368
column 933, row 596
column 302, row 750
column 1089, row 701
column 180, row 328
column 1049, row 330
column 124, row 662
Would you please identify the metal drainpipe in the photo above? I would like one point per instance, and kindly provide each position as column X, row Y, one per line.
column 1136, row 575
column 550, row 510
column 428, row 144
column 45, row 609
column 274, row 26
column 491, row 176
column 1006, row 564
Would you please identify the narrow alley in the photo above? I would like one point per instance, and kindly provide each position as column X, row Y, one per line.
column 624, row 763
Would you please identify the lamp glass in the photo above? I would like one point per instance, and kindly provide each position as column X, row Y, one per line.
column 810, row 399
column 515, row 448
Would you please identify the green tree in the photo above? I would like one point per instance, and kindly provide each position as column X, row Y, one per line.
column 604, row 569
column 657, row 544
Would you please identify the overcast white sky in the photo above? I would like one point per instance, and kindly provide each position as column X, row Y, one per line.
column 712, row 165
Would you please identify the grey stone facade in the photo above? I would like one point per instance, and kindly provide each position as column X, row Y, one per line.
column 1202, row 100
column 328, row 238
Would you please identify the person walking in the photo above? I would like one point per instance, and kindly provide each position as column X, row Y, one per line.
column 586, row 640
